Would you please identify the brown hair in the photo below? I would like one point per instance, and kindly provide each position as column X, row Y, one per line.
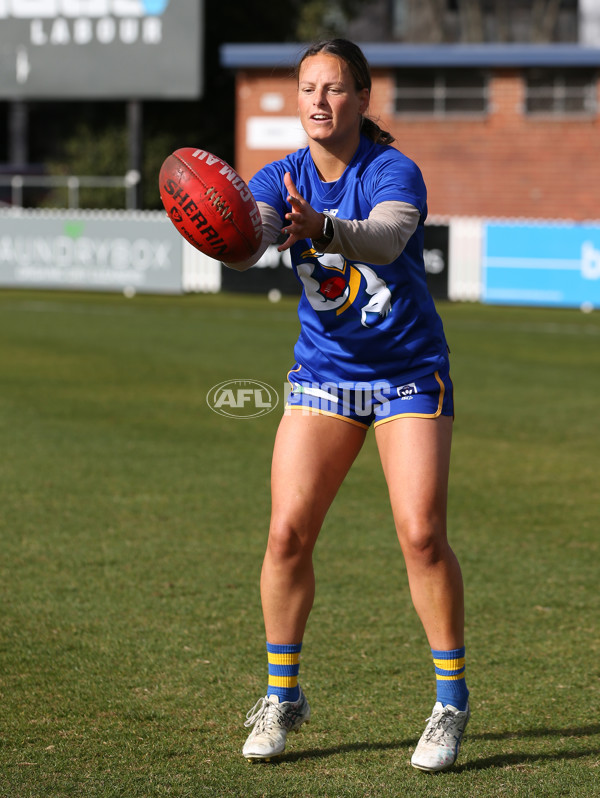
column 359, row 68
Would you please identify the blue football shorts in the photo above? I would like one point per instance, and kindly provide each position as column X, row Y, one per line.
column 375, row 403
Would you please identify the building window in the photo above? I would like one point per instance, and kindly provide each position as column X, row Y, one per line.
column 440, row 93
column 555, row 91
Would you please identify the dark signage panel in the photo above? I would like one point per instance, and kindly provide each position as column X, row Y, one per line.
column 274, row 272
column 100, row 49
column 435, row 254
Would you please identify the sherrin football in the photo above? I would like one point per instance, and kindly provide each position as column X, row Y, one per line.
column 210, row 205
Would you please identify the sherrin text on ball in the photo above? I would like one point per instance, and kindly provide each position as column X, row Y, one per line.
column 210, row 204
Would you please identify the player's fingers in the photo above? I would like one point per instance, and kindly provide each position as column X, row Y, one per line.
column 294, row 196
column 287, row 243
column 289, row 184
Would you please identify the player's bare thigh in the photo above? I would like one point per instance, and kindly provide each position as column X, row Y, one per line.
column 311, row 457
column 415, row 455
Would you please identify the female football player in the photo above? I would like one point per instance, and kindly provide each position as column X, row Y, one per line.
column 371, row 351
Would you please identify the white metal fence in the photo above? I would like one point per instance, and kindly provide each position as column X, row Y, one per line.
column 73, row 183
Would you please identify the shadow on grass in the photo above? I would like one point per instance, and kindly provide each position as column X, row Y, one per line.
column 512, row 760
column 349, row 748
column 575, row 731
column 496, row 761
column 516, row 758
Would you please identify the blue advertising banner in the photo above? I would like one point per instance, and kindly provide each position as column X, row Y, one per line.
column 542, row 264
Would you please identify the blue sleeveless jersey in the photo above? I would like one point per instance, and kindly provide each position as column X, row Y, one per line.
column 360, row 322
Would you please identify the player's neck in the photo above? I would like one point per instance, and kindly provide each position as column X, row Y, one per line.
column 331, row 162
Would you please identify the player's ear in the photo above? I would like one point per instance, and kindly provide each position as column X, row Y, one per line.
column 364, row 95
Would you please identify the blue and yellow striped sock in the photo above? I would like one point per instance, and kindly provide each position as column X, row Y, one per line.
column 284, row 663
column 450, row 677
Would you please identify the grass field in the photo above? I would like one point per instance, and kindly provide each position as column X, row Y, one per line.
column 133, row 524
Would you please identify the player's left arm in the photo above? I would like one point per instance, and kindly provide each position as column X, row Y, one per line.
column 380, row 238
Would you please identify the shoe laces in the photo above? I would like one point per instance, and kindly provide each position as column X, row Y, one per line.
column 440, row 724
column 264, row 714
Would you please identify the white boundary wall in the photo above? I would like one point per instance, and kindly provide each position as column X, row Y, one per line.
column 465, row 242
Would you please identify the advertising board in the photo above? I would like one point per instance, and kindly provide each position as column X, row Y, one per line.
column 542, row 264
column 133, row 253
column 93, row 49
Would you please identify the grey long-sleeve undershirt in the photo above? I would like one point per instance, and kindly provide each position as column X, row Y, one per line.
column 379, row 239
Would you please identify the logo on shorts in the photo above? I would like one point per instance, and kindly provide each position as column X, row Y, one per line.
column 242, row 398
column 315, row 391
column 407, row 391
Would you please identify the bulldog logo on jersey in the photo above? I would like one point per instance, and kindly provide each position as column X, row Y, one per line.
column 332, row 287
column 331, row 283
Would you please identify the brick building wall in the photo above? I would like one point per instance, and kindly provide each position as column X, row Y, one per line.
column 502, row 164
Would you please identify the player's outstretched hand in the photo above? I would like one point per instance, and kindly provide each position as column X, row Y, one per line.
column 304, row 221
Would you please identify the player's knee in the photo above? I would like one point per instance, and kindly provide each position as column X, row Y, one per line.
column 423, row 540
column 288, row 542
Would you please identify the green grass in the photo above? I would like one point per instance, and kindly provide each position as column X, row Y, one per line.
column 133, row 524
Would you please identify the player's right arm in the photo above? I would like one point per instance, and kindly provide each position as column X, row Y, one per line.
column 271, row 224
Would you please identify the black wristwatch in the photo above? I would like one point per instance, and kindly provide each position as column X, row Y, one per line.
column 326, row 236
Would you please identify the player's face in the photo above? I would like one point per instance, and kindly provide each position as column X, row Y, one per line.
column 330, row 107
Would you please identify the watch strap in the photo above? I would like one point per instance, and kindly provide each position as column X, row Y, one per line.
column 326, row 236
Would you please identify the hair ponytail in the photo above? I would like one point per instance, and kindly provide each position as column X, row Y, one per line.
column 372, row 131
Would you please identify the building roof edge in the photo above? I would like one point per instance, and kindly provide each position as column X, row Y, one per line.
column 385, row 54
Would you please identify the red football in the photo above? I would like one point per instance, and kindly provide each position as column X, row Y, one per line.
column 210, row 205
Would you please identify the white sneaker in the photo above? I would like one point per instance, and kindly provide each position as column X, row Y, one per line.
column 272, row 722
column 440, row 742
